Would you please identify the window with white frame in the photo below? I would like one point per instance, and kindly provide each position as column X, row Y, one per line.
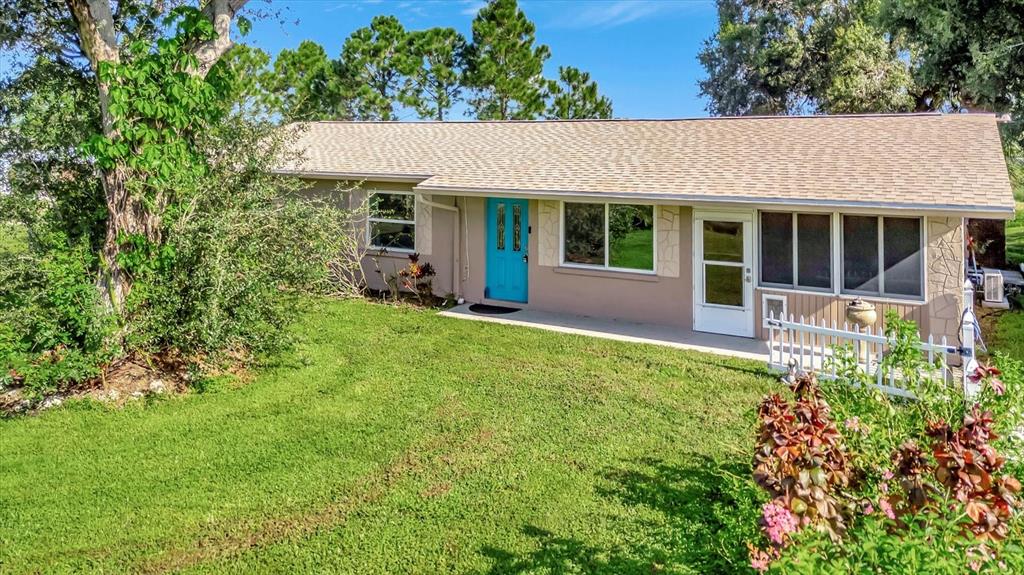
column 392, row 221
column 883, row 256
column 612, row 236
column 796, row 250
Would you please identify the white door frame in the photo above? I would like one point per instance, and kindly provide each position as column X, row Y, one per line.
column 717, row 318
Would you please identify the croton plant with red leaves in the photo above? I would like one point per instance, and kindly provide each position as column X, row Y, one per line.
column 801, row 460
column 968, row 467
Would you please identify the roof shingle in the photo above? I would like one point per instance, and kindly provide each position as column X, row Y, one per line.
column 913, row 160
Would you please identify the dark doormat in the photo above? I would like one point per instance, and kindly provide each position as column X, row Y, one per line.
column 491, row 309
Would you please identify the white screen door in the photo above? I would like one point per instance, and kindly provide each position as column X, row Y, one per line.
column 723, row 298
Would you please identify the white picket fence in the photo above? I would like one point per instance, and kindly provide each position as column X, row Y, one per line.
column 807, row 345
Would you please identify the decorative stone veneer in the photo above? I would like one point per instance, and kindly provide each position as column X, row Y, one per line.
column 669, row 222
column 424, row 228
column 547, row 233
column 944, row 263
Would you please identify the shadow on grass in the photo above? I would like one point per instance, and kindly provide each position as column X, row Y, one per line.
column 697, row 518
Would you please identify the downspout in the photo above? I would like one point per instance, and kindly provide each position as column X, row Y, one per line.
column 456, row 283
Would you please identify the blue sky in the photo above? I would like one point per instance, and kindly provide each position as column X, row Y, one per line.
column 643, row 53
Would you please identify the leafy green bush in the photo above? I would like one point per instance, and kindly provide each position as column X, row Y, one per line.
column 234, row 256
column 931, row 543
column 50, row 331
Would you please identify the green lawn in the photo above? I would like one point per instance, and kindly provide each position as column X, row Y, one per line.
column 634, row 251
column 1015, row 237
column 398, row 441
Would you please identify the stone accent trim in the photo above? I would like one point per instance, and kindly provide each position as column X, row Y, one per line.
column 547, row 233
column 944, row 262
column 424, row 228
column 668, row 251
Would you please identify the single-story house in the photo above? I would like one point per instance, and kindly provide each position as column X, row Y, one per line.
column 703, row 224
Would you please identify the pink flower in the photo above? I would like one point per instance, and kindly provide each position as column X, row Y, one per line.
column 886, row 508
column 759, row 563
column 975, row 566
column 887, row 475
column 869, row 509
column 778, row 522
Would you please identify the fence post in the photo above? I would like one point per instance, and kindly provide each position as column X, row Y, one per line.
column 968, row 321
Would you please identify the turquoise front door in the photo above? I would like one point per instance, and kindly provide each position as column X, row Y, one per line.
column 507, row 238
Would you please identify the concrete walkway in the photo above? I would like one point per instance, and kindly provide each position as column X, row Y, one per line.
column 624, row 331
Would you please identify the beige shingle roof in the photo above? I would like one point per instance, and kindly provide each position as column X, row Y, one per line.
column 911, row 161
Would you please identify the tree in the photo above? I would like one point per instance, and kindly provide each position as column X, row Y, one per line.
column 377, row 58
column 435, row 84
column 971, row 51
column 97, row 33
column 505, row 70
column 248, row 66
column 817, row 56
column 575, row 96
column 306, row 85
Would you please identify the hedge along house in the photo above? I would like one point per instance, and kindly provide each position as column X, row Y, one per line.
column 703, row 224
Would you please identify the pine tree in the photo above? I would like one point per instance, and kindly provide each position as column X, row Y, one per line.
column 505, row 69
column 435, row 85
column 305, row 85
column 575, row 96
column 377, row 59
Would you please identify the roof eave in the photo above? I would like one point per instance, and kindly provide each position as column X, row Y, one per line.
column 354, row 176
column 974, row 211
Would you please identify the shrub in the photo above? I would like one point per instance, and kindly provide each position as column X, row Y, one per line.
column 415, row 279
column 51, row 328
column 235, row 257
column 947, row 509
column 222, row 281
column 801, row 462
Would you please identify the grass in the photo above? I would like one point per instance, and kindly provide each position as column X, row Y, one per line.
column 1008, row 334
column 1015, row 237
column 395, row 440
column 634, row 251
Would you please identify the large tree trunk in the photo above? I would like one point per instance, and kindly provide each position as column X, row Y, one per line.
column 127, row 215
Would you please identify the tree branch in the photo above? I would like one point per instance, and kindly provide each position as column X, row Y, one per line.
column 95, row 30
column 220, row 12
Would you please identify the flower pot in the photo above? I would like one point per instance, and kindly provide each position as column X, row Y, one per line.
column 861, row 313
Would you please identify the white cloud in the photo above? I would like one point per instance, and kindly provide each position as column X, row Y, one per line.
column 612, row 13
column 472, row 8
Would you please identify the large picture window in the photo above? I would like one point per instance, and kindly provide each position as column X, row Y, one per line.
column 392, row 221
column 613, row 236
column 882, row 256
column 796, row 250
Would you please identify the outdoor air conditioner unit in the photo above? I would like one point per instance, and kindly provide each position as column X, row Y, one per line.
column 993, row 287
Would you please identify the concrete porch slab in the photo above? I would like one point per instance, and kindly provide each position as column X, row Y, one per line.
column 623, row 331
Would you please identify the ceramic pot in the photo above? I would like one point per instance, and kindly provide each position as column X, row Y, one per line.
column 861, row 313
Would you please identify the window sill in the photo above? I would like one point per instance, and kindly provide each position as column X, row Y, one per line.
column 845, row 296
column 882, row 299
column 391, row 253
column 606, row 273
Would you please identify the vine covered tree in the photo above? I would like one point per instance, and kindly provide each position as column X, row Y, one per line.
column 575, row 97
column 141, row 110
column 505, row 68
